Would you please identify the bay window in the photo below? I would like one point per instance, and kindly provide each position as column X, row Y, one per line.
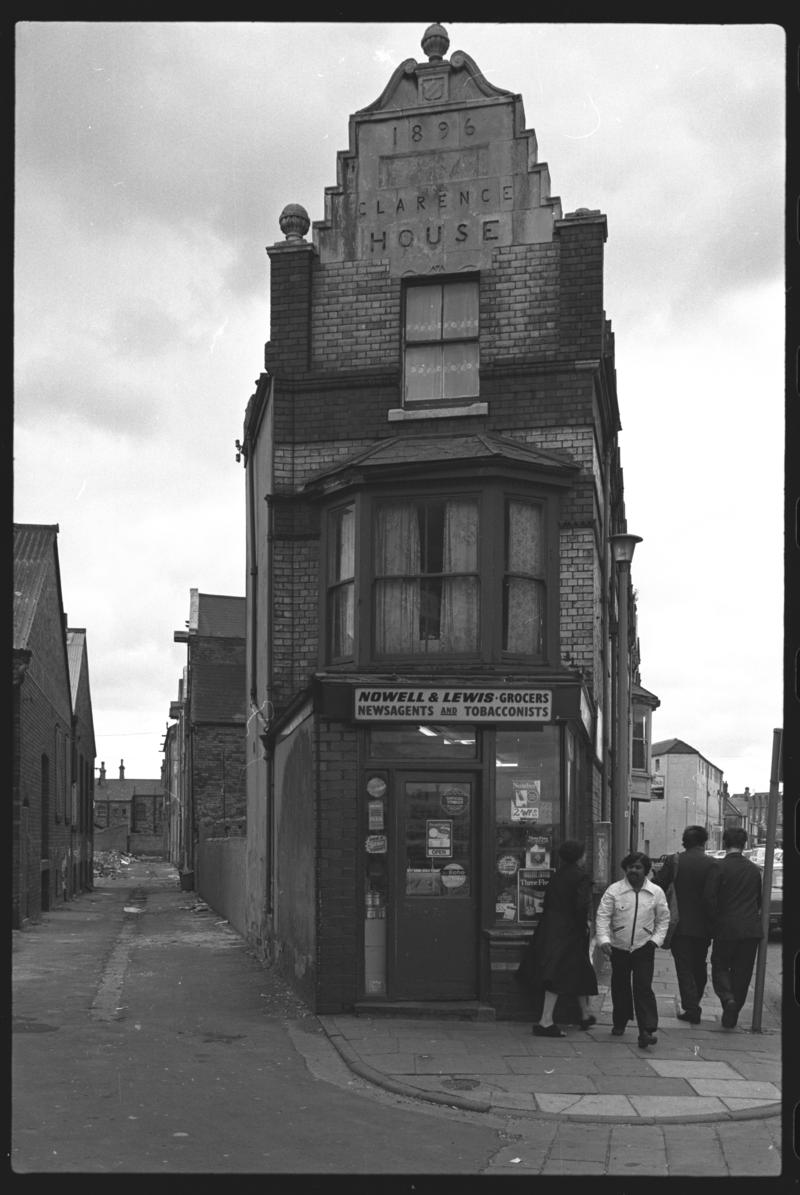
column 426, row 589
column 341, row 583
column 523, row 590
column 451, row 574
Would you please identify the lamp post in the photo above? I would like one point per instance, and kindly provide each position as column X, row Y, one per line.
column 622, row 547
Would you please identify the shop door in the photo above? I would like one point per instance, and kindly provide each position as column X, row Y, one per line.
column 435, row 930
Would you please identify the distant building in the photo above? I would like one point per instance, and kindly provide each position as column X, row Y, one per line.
column 686, row 790
column 129, row 813
column 754, row 806
column 52, row 765
column 206, row 761
column 83, row 757
column 643, row 704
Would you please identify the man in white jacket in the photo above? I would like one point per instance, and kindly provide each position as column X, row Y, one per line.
column 632, row 919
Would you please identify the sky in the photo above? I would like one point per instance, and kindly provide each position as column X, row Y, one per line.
column 152, row 162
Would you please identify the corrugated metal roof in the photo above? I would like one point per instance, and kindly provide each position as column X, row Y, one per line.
column 34, row 549
column 76, row 645
column 221, row 616
column 218, row 693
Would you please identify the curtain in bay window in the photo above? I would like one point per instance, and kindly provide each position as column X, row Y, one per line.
column 397, row 551
column 460, row 594
column 524, row 594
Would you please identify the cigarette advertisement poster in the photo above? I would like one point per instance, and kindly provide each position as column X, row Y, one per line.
column 537, row 852
column 525, row 800
column 530, row 894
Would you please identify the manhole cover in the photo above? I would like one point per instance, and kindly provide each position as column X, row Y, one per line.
column 461, row 1084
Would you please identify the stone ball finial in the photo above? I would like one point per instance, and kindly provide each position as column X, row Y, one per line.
column 294, row 222
column 435, row 42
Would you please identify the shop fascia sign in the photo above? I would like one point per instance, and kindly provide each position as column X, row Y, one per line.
column 376, row 704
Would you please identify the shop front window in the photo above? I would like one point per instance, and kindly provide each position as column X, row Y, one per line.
column 423, row 742
column 527, row 822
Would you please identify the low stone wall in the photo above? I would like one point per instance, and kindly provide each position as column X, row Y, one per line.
column 147, row 844
column 113, row 838
column 220, row 878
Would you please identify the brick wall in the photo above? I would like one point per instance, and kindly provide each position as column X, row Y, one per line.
column 218, row 756
column 337, row 942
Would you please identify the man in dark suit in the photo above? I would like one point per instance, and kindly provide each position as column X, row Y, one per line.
column 737, row 928
column 695, row 888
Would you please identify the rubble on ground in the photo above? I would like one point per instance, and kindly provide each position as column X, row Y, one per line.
column 110, row 863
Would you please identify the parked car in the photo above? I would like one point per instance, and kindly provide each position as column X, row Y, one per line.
column 756, row 855
column 775, row 897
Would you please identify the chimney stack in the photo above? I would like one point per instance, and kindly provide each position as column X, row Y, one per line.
column 122, row 769
column 102, row 772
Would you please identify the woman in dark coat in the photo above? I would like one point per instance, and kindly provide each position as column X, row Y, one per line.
column 556, row 961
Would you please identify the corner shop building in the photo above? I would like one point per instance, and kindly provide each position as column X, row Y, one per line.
column 432, row 476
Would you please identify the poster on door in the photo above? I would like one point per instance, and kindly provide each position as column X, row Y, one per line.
column 525, row 798
column 438, row 839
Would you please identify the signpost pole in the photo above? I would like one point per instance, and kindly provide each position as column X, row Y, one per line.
column 776, row 772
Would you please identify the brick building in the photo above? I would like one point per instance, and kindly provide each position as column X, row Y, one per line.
column 129, row 813
column 52, row 735
column 83, row 757
column 205, row 755
column 754, row 808
column 433, row 475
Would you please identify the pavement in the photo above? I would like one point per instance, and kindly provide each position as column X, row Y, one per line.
column 694, row 1074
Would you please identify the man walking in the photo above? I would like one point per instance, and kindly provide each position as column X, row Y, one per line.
column 695, row 889
column 737, row 927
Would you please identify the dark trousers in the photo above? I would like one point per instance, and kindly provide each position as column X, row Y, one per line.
column 732, row 965
column 690, row 968
column 632, row 988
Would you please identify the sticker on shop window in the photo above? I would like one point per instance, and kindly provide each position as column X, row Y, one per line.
column 438, row 839
column 453, row 876
column 376, row 844
column 454, row 800
column 507, row 865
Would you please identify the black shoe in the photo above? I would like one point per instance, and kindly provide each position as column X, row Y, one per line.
column 617, row 1030
column 692, row 1017
column 548, row 1031
column 647, row 1039
column 730, row 1014
column 588, row 1022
